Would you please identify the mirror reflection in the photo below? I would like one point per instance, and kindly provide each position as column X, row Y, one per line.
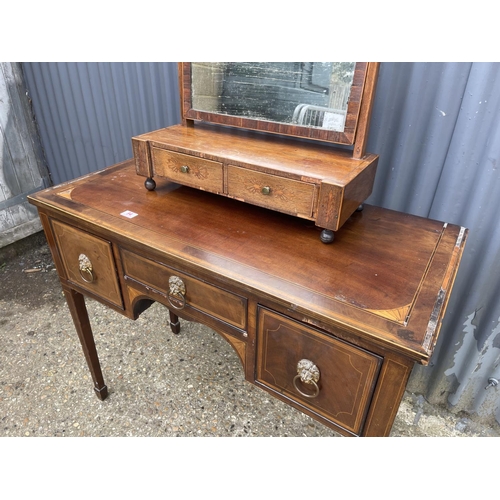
column 313, row 94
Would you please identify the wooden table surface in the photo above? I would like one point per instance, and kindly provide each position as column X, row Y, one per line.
column 387, row 276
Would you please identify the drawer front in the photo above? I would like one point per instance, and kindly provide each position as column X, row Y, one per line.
column 188, row 170
column 188, row 292
column 271, row 191
column 344, row 376
column 88, row 261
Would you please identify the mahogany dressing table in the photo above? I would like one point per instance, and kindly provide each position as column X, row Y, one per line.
column 332, row 330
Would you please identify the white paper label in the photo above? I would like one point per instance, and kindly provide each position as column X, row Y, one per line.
column 128, row 214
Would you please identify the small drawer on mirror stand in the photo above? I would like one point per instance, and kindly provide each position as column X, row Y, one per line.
column 188, row 170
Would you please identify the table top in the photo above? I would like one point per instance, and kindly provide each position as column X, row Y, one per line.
column 387, row 276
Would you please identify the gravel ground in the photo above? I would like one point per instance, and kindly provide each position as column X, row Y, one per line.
column 160, row 384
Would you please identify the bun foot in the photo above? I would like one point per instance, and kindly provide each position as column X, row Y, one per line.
column 327, row 236
column 150, row 184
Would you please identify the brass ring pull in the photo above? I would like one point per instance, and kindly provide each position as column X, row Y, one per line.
column 266, row 190
column 85, row 268
column 308, row 373
column 177, row 292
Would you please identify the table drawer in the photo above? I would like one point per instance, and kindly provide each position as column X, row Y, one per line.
column 184, row 291
column 344, row 376
column 188, row 170
column 88, row 261
column 271, row 191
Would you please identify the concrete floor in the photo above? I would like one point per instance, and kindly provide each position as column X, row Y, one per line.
column 160, row 384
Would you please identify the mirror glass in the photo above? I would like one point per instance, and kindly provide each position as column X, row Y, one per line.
column 311, row 94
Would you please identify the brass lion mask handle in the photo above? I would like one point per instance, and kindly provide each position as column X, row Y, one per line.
column 308, row 373
column 85, row 268
column 176, row 292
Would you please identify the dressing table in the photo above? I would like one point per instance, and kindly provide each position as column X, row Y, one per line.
column 352, row 317
column 332, row 330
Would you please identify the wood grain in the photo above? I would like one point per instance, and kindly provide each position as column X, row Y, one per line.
column 364, row 310
column 224, row 161
column 285, row 195
column 347, row 374
column 221, row 304
column 199, row 173
column 374, row 266
column 72, row 243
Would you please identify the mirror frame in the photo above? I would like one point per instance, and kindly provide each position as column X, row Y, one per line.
column 356, row 126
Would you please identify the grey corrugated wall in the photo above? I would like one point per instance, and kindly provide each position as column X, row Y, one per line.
column 88, row 112
column 436, row 128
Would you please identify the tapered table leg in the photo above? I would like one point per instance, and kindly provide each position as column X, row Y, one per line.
column 175, row 324
column 76, row 304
